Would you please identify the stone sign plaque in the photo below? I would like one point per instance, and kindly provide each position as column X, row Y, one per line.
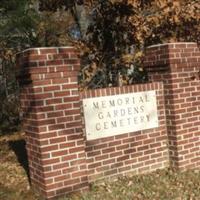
column 118, row 114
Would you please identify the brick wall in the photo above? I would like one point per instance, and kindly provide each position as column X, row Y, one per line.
column 52, row 121
column 61, row 161
column 177, row 65
column 136, row 152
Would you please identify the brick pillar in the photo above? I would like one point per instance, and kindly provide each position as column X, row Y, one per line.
column 178, row 66
column 52, row 120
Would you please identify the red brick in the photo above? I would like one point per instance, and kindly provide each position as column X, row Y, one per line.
column 48, row 50
column 129, row 151
column 66, row 132
column 37, row 57
column 50, row 161
column 131, row 161
column 109, row 161
column 100, row 146
column 71, row 61
column 80, row 162
column 55, row 114
column 73, row 124
column 72, row 112
column 35, row 90
column 116, row 165
column 103, row 168
column 78, row 174
column 67, row 145
column 41, row 82
column 56, row 127
column 45, row 155
column 102, row 157
column 144, row 158
column 36, row 103
column 74, row 137
column 108, row 150
column 122, row 147
column 54, row 186
column 60, row 166
column 43, row 96
column 69, row 157
column 110, row 172
column 115, row 154
column 72, row 181
column 122, row 158
column 38, row 70
column 61, row 94
column 38, row 116
column 49, row 148
column 123, row 169
column 76, row 149
column 71, row 99
column 47, row 135
column 57, row 140
column 60, row 56
column 44, row 122
column 53, row 75
column 53, row 174
column 59, row 80
column 60, row 153
column 64, row 190
column 145, row 147
column 61, row 178
column 93, row 153
column 94, row 165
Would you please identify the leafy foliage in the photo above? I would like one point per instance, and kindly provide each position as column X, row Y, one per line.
column 161, row 21
column 111, row 54
column 17, row 24
column 9, row 109
column 16, row 33
column 121, row 30
column 112, row 34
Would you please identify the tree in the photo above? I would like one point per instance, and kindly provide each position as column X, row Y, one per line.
column 120, row 30
column 161, row 21
column 18, row 21
column 110, row 46
column 16, row 33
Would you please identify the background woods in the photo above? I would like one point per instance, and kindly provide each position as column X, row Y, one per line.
column 112, row 36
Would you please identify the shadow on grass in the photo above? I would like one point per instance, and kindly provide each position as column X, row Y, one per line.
column 19, row 147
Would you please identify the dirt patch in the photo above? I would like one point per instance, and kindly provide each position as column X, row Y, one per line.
column 14, row 180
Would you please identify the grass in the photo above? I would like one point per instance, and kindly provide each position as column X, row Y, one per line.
column 159, row 185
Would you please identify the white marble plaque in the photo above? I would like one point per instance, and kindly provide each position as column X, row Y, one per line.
column 118, row 114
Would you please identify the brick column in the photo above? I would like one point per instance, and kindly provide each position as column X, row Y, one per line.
column 178, row 66
column 52, row 121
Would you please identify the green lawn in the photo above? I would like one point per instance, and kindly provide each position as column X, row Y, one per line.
column 160, row 185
